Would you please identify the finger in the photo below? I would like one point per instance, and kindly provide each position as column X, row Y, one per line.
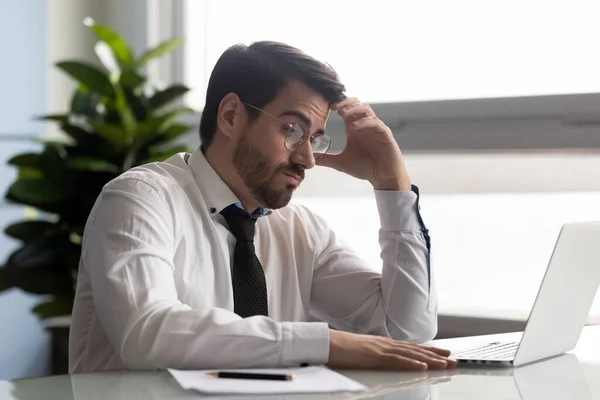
column 326, row 160
column 436, row 350
column 356, row 111
column 372, row 124
column 423, row 350
column 344, row 103
column 432, row 362
column 367, row 122
column 395, row 361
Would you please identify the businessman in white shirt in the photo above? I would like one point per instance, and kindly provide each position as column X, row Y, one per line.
column 199, row 261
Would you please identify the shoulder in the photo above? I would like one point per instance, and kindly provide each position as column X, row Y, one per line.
column 161, row 179
column 146, row 194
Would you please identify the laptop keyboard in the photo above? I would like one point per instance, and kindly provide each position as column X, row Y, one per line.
column 489, row 351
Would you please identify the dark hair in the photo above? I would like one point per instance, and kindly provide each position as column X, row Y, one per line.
column 257, row 73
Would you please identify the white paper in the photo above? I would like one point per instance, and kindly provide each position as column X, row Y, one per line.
column 317, row 379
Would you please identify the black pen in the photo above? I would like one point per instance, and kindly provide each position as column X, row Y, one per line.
column 251, row 375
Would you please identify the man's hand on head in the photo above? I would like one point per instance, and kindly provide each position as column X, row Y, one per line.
column 371, row 152
column 352, row 351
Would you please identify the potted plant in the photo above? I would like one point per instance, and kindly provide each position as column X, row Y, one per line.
column 117, row 120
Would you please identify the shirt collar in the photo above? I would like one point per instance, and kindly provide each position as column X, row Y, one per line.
column 217, row 194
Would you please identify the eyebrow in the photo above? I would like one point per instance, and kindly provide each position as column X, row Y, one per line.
column 303, row 118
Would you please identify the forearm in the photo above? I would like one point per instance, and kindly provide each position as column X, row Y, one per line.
column 179, row 337
column 409, row 303
column 400, row 302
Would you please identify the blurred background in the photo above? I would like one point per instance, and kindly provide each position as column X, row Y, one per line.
column 496, row 105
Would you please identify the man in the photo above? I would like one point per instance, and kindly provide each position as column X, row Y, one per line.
column 199, row 262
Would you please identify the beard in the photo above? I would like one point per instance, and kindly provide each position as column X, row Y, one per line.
column 254, row 169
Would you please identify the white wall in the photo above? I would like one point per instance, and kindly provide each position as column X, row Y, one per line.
column 23, row 342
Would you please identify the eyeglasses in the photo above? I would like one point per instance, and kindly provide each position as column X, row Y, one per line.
column 296, row 135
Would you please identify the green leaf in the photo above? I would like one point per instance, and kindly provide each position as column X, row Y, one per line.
column 76, row 238
column 174, row 131
column 85, row 103
column 92, row 164
column 53, row 117
column 164, row 97
column 4, row 283
column 168, row 135
column 82, row 137
column 113, row 40
column 29, row 230
column 30, row 173
column 52, row 164
column 115, row 134
column 162, row 48
column 137, row 103
column 49, row 207
column 155, row 126
column 47, row 252
column 30, row 160
column 108, row 60
column 171, row 133
column 89, row 76
column 131, row 79
column 56, row 307
column 125, row 113
column 64, row 141
column 38, row 281
column 161, row 155
column 32, row 191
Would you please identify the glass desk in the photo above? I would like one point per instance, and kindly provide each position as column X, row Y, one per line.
column 572, row 376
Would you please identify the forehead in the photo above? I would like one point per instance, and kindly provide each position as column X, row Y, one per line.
column 297, row 96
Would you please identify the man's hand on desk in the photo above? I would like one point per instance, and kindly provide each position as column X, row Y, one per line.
column 349, row 350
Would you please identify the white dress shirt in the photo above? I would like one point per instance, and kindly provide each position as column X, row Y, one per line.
column 154, row 289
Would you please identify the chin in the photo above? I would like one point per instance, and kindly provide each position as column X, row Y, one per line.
column 274, row 197
column 282, row 200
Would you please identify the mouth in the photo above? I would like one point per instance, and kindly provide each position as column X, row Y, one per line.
column 293, row 178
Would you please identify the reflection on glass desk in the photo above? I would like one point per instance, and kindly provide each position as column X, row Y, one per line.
column 572, row 376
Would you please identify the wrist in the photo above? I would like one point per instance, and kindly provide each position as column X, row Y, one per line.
column 338, row 348
column 392, row 184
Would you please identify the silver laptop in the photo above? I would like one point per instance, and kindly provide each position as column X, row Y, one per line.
column 561, row 307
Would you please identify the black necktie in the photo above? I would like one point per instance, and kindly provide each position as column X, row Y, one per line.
column 248, row 277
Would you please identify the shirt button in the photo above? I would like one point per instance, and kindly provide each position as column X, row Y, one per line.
column 213, row 210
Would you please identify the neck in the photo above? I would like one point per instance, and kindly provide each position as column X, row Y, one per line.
column 221, row 161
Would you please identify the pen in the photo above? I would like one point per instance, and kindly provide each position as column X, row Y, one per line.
column 251, row 375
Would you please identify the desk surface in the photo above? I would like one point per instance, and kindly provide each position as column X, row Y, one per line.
column 572, row 376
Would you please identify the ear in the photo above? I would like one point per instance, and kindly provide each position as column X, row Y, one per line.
column 229, row 116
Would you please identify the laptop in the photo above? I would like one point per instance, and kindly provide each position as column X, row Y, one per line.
column 560, row 310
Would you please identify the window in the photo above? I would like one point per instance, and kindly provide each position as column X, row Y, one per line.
column 445, row 76
column 405, row 51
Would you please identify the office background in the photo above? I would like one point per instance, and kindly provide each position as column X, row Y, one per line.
column 503, row 155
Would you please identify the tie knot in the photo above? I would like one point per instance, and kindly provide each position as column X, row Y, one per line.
column 241, row 224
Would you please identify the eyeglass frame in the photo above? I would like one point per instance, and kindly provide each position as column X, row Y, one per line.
column 303, row 138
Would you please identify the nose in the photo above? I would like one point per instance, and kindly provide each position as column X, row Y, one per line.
column 303, row 156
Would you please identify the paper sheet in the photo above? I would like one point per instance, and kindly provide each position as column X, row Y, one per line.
column 316, row 379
